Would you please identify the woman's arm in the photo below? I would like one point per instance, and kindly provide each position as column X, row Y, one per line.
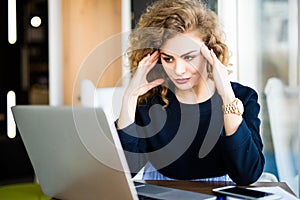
column 223, row 86
column 242, row 145
column 138, row 86
column 242, row 151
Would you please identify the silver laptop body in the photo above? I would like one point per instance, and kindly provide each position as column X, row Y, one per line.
column 76, row 154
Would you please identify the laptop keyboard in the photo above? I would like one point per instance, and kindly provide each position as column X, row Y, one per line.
column 142, row 197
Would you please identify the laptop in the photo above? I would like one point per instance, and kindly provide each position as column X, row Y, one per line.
column 76, row 154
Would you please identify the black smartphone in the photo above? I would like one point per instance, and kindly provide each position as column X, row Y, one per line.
column 244, row 193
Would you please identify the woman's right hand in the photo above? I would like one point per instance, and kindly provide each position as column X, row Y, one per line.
column 138, row 86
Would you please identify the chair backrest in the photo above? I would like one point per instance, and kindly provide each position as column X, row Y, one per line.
column 282, row 103
column 108, row 98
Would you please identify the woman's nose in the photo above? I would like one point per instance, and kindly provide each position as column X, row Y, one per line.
column 180, row 67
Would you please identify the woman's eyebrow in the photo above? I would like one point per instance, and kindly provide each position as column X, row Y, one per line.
column 165, row 54
column 193, row 51
column 162, row 53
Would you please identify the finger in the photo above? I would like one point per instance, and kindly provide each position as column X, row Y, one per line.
column 156, row 82
column 216, row 60
column 143, row 65
column 146, row 87
column 150, row 57
column 213, row 56
column 144, row 60
column 151, row 61
column 153, row 84
column 154, row 55
column 153, row 58
column 206, row 53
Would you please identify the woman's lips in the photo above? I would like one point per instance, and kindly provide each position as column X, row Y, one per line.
column 182, row 80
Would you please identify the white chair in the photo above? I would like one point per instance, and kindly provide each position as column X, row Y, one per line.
column 282, row 104
column 267, row 177
column 108, row 98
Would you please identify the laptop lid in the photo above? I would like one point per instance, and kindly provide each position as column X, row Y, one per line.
column 89, row 165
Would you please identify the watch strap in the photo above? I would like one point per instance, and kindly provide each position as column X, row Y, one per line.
column 232, row 108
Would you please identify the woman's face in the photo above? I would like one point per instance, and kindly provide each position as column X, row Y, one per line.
column 183, row 62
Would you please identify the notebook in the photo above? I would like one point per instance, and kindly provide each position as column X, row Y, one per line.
column 76, row 154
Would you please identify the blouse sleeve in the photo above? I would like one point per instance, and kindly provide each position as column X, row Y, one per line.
column 243, row 150
column 131, row 144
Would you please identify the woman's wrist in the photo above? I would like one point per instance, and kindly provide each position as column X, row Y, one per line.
column 127, row 113
column 228, row 97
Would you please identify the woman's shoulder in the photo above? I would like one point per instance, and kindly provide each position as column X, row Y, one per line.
column 243, row 92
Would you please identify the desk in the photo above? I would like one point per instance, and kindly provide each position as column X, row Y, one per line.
column 206, row 187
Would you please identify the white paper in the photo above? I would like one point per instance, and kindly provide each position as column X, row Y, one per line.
column 276, row 190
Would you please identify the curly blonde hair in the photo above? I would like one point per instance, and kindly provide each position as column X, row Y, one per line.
column 162, row 21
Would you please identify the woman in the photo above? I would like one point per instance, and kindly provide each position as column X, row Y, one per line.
column 180, row 112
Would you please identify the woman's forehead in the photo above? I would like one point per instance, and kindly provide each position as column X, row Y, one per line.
column 181, row 44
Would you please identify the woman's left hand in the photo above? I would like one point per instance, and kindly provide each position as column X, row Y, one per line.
column 220, row 75
column 223, row 86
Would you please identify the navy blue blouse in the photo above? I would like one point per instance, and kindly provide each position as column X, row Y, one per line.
column 187, row 141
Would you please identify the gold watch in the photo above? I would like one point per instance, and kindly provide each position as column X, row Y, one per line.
column 236, row 107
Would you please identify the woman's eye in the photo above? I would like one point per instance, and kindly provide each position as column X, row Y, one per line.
column 168, row 59
column 188, row 58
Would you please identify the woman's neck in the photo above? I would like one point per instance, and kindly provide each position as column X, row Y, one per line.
column 200, row 93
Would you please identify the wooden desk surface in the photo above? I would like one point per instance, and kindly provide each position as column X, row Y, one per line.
column 206, row 187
